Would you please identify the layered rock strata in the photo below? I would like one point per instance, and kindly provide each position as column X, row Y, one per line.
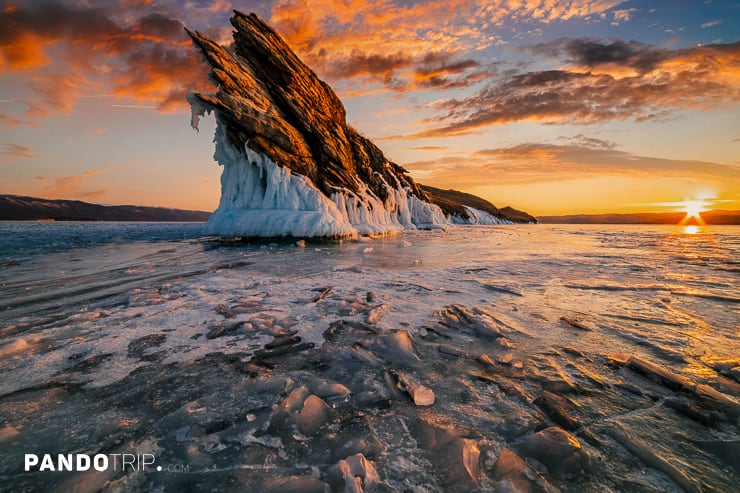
column 292, row 164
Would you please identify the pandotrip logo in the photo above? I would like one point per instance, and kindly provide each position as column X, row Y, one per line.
column 97, row 462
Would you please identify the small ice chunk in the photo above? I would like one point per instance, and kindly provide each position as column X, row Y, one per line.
column 8, row 432
column 511, row 473
column 14, row 346
column 559, row 451
column 485, row 360
column 376, row 313
column 327, row 389
column 397, row 347
column 352, row 473
column 422, row 396
column 360, row 466
column 313, row 416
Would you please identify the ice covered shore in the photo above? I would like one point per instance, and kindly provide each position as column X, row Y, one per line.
column 433, row 361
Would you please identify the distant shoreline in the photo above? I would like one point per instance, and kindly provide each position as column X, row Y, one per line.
column 88, row 220
column 21, row 208
column 712, row 218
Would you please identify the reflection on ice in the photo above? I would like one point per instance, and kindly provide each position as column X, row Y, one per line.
column 528, row 358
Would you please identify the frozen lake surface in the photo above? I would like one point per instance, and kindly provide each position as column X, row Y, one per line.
column 502, row 358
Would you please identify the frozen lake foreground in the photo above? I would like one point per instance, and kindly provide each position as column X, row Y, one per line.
column 528, row 358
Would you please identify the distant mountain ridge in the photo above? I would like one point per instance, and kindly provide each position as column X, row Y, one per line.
column 715, row 217
column 20, row 208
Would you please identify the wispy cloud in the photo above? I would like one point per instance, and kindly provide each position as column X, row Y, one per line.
column 134, row 106
column 711, row 24
column 580, row 157
column 430, row 148
column 9, row 121
column 75, row 187
column 13, row 151
column 622, row 15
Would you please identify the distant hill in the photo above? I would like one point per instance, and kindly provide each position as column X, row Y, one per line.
column 453, row 203
column 717, row 217
column 18, row 208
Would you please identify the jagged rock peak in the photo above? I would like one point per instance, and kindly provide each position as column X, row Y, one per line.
column 292, row 165
column 271, row 101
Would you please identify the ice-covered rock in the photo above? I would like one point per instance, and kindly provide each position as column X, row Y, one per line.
column 8, row 432
column 512, row 474
column 397, row 347
column 292, row 164
column 308, row 412
column 560, row 451
column 353, row 474
column 314, row 415
column 457, row 457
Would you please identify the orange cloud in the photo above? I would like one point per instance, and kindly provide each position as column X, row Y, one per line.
column 336, row 37
column 23, row 53
column 661, row 82
column 16, row 151
column 159, row 74
column 71, row 187
column 9, row 121
column 580, row 157
column 57, row 92
column 126, row 50
column 137, row 48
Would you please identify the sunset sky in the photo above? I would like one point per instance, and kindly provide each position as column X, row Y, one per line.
column 553, row 107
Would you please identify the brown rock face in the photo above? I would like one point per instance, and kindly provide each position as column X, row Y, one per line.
column 274, row 113
column 271, row 101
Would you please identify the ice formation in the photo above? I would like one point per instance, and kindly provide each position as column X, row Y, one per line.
column 259, row 198
column 262, row 199
column 292, row 166
column 477, row 216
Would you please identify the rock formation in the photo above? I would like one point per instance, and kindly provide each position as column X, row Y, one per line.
column 292, row 164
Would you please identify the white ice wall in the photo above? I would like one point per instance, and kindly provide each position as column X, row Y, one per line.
column 261, row 199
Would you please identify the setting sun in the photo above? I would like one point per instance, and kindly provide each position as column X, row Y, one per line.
column 693, row 209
